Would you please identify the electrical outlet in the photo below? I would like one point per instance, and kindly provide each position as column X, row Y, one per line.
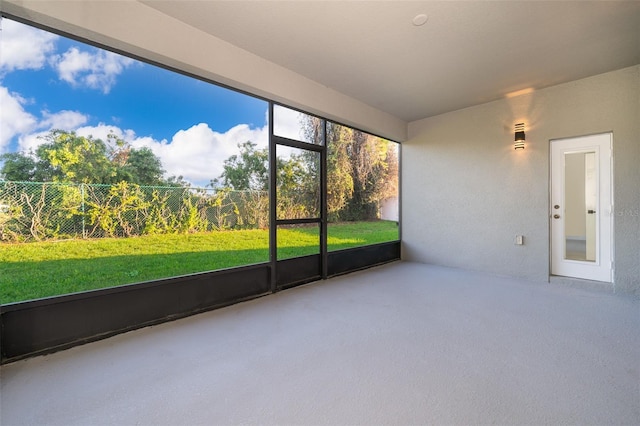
column 519, row 240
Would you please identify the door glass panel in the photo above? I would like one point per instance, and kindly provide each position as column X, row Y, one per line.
column 297, row 183
column 298, row 240
column 580, row 206
column 296, row 125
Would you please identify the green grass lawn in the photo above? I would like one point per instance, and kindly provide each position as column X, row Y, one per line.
column 35, row 270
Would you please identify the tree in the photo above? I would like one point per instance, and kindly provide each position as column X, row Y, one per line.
column 18, row 167
column 339, row 167
column 77, row 159
column 143, row 167
column 362, row 170
column 68, row 157
column 177, row 181
column 298, row 186
column 374, row 165
column 247, row 171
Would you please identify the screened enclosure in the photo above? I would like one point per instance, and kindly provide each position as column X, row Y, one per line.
column 132, row 194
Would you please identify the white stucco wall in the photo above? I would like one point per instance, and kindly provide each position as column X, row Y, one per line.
column 390, row 209
column 467, row 192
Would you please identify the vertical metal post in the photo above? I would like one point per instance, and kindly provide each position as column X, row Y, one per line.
column 323, row 202
column 400, row 192
column 84, row 231
column 273, row 230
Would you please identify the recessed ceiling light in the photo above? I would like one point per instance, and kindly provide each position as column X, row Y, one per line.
column 420, row 19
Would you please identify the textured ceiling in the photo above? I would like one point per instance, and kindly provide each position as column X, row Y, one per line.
column 466, row 54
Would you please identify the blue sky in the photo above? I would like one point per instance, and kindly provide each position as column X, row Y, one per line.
column 50, row 82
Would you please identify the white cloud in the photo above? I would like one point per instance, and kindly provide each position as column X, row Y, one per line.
column 30, row 141
column 197, row 153
column 96, row 70
column 63, row 120
column 101, row 131
column 68, row 121
column 287, row 123
column 23, row 47
column 14, row 120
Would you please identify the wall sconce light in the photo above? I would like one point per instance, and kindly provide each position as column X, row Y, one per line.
column 519, row 136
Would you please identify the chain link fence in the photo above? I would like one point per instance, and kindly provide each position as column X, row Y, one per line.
column 31, row 211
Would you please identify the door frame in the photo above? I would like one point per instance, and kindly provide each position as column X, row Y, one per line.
column 602, row 269
column 295, row 271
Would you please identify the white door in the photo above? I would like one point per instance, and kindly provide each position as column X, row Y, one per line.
column 581, row 207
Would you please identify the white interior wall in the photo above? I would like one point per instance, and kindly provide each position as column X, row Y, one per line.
column 137, row 29
column 467, row 192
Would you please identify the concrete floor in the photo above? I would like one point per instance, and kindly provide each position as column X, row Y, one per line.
column 400, row 344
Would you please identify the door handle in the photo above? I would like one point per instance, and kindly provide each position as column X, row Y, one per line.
column 556, row 216
column 591, row 211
